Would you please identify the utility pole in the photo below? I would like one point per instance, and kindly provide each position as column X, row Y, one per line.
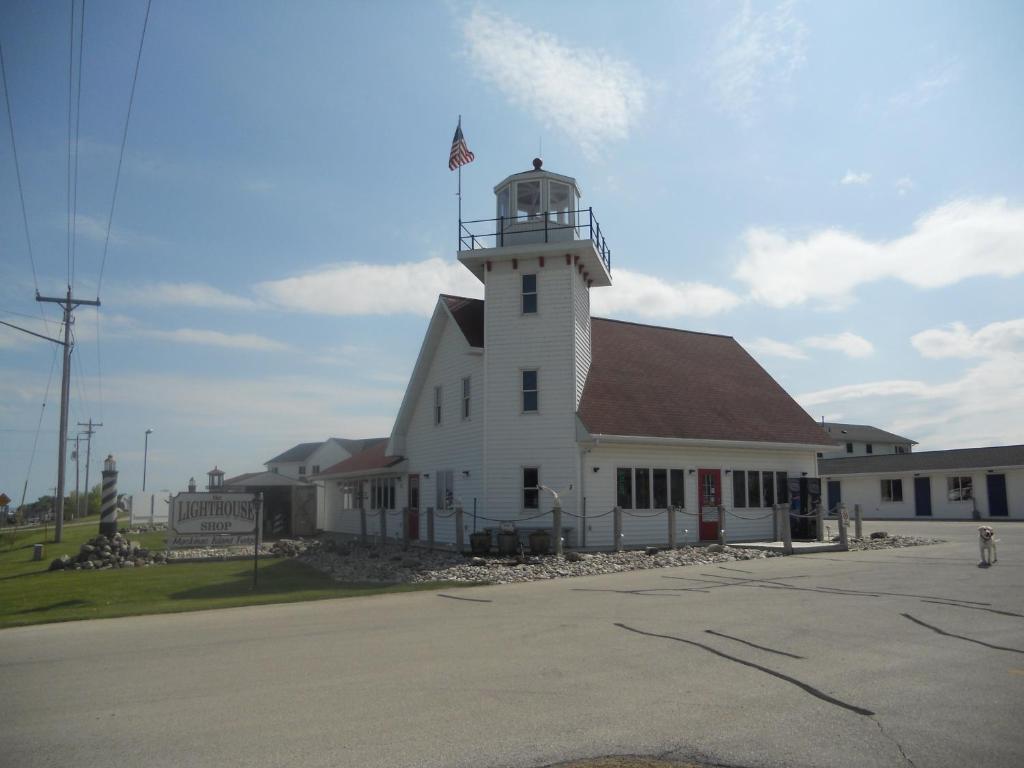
column 68, row 304
column 88, row 455
column 78, row 476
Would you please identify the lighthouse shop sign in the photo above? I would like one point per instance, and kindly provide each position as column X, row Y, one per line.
column 212, row 520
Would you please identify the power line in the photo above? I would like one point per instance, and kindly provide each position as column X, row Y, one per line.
column 71, row 67
column 35, row 442
column 78, row 122
column 17, row 169
column 99, row 363
column 124, row 141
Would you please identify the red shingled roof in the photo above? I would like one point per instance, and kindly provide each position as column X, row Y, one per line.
column 371, row 457
column 661, row 382
column 469, row 315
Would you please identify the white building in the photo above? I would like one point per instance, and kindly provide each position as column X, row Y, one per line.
column 525, row 389
column 961, row 484
column 863, row 440
column 302, row 461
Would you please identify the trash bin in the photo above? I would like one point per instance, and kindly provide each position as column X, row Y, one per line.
column 37, row 551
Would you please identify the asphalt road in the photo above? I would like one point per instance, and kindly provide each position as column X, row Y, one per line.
column 895, row 658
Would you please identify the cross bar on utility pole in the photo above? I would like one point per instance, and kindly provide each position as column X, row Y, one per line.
column 88, row 454
column 68, row 304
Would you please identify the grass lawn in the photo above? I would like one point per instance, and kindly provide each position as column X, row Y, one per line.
column 31, row 595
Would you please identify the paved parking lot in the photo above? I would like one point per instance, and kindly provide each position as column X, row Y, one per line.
column 893, row 658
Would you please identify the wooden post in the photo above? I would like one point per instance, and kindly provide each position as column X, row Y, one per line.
column 430, row 527
column 617, row 532
column 844, row 521
column 787, row 533
column 556, row 523
column 775, row 522
column 362, row 525
column 405, row 528
column 383, row 525
column 857, row 522
column 819, row 512
column 671, row 527
column 460, row 534
column 721, row 526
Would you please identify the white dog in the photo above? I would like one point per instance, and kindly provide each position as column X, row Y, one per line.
column 987, row 542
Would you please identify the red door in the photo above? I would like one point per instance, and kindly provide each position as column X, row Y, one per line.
column 414, row 507
column 709, row 495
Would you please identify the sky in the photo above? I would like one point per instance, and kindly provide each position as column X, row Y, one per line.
column 839, row 186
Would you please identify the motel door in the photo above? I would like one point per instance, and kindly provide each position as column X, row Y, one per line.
column 414, row 507
column 709, row 494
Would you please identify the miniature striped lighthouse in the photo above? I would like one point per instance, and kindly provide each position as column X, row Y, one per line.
column 108, row 504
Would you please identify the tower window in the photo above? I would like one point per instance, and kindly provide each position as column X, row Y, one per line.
column 529, row 294
column 465, row 397
column 531, row 493
column 528, row 200
column 437, row 406
column 529, row 391
column 559, row 210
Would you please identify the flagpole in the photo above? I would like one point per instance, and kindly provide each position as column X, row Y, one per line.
column 460, row 196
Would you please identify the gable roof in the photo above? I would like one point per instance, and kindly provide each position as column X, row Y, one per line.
column 648, row 381
column 262, row 479
column 863, row 433
column 469, row 316
column 373, row 456
column 924, row 461
column 299, row 452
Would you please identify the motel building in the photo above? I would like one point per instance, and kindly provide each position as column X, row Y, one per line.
column 525, row 389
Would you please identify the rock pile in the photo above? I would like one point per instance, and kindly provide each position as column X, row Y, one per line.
column 890, row 542
column 101, row 553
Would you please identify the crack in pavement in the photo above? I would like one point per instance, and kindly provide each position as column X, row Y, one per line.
column 737, row 570
column 467, row 599
column 806, row 687
column 753, row 645
column 977, row 608
column 899, row 746
column 960, row 637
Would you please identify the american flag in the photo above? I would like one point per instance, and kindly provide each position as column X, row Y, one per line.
column 460, row 154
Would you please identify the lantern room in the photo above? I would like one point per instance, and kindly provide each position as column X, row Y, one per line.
column 538, row 202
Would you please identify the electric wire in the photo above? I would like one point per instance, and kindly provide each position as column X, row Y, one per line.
column 78, row 122
column 71, row 79
column 99, row 365
column 39, row 425
column 124, row 141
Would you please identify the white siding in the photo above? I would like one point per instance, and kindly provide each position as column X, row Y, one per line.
column 599, row 489
column 866, row 490
column 514, row 342
column 581, row 328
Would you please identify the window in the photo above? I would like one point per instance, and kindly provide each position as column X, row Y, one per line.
column 677, row 487
column 437, row 406
column 465, row 397
column 892, row 490
column 849, row 447
column 782, row 487
column 531, row 493
column 559, row 196
column 869, row 448
column 316, row 469
column 528, row 200
column 960, row 488
column 274, row 470
column 739, row 488
column 624, row 488
column 444, row 490
column 529, row 294
column 503, row 209
column 382, row 493
column 753, row 489
column 302, row 470
column 643, row 488
column 901, row 449
column 660, row 478
column 529, row 391
column 768, row 489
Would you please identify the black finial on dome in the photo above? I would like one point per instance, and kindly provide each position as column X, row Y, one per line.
column 537, row 163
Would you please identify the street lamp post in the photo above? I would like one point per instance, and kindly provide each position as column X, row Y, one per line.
column 145, row 459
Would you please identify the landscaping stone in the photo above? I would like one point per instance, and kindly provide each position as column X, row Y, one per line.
column 879, row 535
column 650, row 551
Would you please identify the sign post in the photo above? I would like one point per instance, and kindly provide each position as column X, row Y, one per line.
column 256, row 543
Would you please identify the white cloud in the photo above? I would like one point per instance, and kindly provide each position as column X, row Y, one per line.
column 652, row 297
column 853, row 177
column 754, row 52
column 95, row 229
column 372, row 289
column 772, row 348
column 930, row 86
column 850, row 344
column 966, row 238
column 587, row 94
column 955, row 340
column 903, row 186
column 196, row 336
column 983, row 405
column 180, row 294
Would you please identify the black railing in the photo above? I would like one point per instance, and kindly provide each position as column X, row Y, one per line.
column 493, row 233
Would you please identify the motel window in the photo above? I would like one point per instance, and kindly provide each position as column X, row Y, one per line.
column 529, row 294
column 444, row 496
column 302, row 469
column 892, row 490
column 531, row 493
column 529, row 391
column 527, row 200
column 659, row 478
column 643, row 488
column 870, row 448
column 382, row 493
column 753, row 489
column 624, row 488
column 767, row 489
column 437, row 406
column 782, row 486
column 739, row 488
column 677, row 487
column 465, row 397
column 900, row 449
column 960, row 488
column 849, row 447
column 316, row 469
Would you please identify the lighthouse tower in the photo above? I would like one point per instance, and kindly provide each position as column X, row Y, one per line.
column 538, row 259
